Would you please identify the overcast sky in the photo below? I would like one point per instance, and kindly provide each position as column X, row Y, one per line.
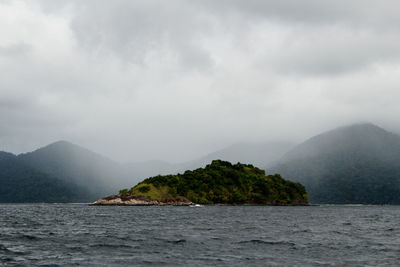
column 142, row 79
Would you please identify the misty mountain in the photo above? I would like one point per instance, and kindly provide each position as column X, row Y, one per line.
column 354, row 164
column 73, row 164
column 145, row 169
column 79, row 165
column 61, row 172
column 257, row 154
column 21, row 183
column 68, row 172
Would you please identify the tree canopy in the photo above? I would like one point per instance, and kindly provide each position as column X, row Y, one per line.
column 222, row 183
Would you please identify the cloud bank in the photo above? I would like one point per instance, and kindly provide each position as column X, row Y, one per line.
column 173, row 80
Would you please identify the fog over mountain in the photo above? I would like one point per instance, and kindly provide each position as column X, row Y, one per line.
column 66, row 172
column 97, row 174
column 353, row 164
column 22, row 183
column 176, row 80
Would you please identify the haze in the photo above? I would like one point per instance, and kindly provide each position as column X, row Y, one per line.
column 175, row 80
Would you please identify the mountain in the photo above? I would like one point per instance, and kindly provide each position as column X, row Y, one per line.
column 258, row 154
column 21, row 183
column 353, row 164
column 71, row 163
column 60, row 172
column 141, row 170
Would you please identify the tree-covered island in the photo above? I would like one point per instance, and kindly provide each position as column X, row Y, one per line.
column 218, row 183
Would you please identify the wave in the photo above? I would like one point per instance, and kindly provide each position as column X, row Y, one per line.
column 177, row 241
column 110, row 246
column 6, row 250
column 258, row 241
column 30, row 237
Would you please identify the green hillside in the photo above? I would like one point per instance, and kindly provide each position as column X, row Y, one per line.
column 59, row 172
column 354, row 164
column 221, row 183
column 20, row 183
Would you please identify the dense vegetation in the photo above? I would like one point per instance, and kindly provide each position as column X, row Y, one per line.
column 74, row 164
column 355, row 164
column 224, row 183
column 20, row 183
column 59, row 172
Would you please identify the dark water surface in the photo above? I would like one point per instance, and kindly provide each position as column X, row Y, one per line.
column 71, row 234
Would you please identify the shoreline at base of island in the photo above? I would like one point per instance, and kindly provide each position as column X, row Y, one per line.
column 115, row 200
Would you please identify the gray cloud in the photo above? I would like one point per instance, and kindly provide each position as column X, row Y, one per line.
column 13, row 50
column 174, row 80
column 315, row 37
column 136, row 30
column 355, row 13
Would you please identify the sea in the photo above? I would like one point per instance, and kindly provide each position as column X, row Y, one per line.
column 83, row 235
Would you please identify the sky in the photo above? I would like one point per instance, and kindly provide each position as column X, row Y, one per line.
column 174, row 80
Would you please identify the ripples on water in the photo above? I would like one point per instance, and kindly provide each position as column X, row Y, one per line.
column 68, row 234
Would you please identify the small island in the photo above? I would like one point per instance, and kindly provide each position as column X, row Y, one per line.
column 219, row 183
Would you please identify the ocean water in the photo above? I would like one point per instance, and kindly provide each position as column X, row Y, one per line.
column 81, row 235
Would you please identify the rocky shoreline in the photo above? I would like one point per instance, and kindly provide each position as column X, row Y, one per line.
column 115, row 200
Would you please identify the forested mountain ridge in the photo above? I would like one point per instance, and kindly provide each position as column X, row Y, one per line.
column 75, row 164
column 59, row 172
column 21, row 183
column 257, row 154
column 354, row 164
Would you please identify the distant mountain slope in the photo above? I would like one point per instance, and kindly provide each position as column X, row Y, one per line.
column 20, row 183
column 6, row 156
column 354, row 164
column 257, row 154
column 75, row 164
column 141, row 170
column 60, row 172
